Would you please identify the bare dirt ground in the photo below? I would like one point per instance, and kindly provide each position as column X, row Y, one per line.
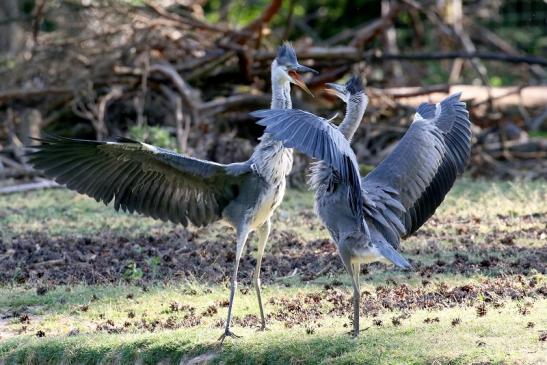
column 37, row 259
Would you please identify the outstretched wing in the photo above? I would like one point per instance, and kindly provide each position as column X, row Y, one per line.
column 414, row 179
column 317, row 138
column 141, row 178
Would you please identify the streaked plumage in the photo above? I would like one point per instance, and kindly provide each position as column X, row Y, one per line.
column 427, row 160
column 296, row 127
column 142, row 178
column 163, row 184
column 397, row 197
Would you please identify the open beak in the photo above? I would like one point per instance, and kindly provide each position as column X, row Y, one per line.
column 334, row 89
column 297, row 80
column 303, row 69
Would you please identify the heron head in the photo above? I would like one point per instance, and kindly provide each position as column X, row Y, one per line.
column 353, row 86
column 287, row 68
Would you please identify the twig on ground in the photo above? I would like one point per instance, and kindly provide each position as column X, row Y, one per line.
column 37, row 185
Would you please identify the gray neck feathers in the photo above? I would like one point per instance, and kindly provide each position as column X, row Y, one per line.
column 355, row 110
column 271, row 160
column 281, row 94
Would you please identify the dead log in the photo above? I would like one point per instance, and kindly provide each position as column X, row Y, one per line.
column 188, row 20
column 220, row 105
column 182, row 124
column 502, row 97
column 188, row 96
column 352, row 54
column 7, row 96
column 487, row 56
column 37, row 185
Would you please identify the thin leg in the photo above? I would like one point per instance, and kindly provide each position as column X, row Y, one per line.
column 263, row 232
column 356, row 297
column 242, row 235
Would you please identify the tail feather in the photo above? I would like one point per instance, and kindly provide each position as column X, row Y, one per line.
column 392, row 255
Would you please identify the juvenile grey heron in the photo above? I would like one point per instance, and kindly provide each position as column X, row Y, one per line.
column 163, row 184
column 398, row 196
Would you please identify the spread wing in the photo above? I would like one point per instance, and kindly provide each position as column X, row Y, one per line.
column 317, row 138
column 413, row 180
column 141, row 178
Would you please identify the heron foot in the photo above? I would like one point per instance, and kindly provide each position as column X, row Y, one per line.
column 355, row 334
column 227, row 333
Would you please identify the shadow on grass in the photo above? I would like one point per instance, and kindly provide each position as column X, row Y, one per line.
column 377, row 346
column 101, row 349
column 150, row 349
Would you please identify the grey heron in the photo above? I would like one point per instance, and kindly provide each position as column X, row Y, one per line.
column 166, row 185
column 397, row 197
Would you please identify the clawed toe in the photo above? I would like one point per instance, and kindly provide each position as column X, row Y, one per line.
column 355, row 335
column 227, row 333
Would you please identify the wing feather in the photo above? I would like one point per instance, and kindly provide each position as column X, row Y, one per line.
column 321, row 140
column 424, row 165
column 141, row 178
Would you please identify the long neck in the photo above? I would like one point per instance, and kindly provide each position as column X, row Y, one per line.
column 356, row 106
column 281, row 93
column 271, row 159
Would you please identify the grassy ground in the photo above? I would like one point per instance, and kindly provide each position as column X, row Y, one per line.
column 478, row 294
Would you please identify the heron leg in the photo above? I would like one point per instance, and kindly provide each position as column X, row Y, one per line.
column 356, row 267
column 263, row 232
column 242, row 235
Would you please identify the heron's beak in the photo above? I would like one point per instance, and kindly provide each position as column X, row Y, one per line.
column 335, row 89
column 303, row 69
column 297, row 80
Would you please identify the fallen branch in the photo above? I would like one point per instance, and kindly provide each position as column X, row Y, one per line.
column 48, row 263
column 189, row 95
column 406, row 92
column 487, row 36
column 220, row 105
column 348, row 53
column 43, row 184
column 188, row 20
column 489, row 56
column 501, row 97
column 10, row 95
column 292, row 274
column 190, row 98
column 182, row 124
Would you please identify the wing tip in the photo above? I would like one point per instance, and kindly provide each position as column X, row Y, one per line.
column 122, row 139
column 452, row 100
column 457, row 95
column 426, row 110
column 264, row 113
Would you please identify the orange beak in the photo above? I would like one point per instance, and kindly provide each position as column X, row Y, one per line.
column 330, row 91
column 299, row 82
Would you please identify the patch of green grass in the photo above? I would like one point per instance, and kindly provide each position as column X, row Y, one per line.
column 539, row 134
column 413, row 342
column 481, row 211
column 60, row 212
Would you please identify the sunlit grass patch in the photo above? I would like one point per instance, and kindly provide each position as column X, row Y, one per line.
column 456, row 334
